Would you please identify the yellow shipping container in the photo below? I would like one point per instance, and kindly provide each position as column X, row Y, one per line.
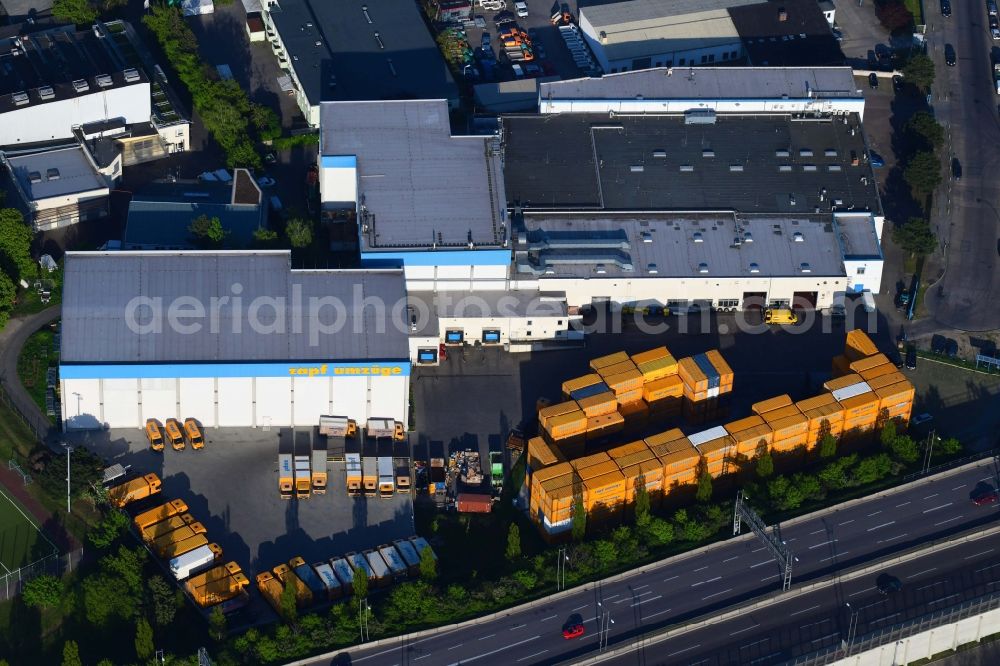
column 658, row 369
column 859, row 345
column 746, row 441
column 635, row 458
column 860, row 405
column 787, row 422
column 624, row 450
column 616, row 369
column 599, row 426
column 596, row 405
column 592, row 459
column 791, row 443
column 691, row 374
column 770, row 404
column 721, row 366
column 842, row 382
column 542, row 454
column 878, row 371
column 604, row 361
column 559, row 469
column 597, row 469
column 551, row 411
column 868, row 363
column 886, row 380
column 651, row 472
column 567, row 425
column 668, row 387
column 634, row 412
column 578, row 383
column 651, row 355
column 607, row 489
column 629, row 380
column 891, row 397
column 628, row 397
column 665, row 437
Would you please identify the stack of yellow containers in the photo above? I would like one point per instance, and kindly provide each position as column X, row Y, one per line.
column 859, row 402
column 748, row 434
column 603, row 483
column 679, row 457
column 637, row 462
column 662, row 389
column 707, row 378
column 554, row 490
column 715, row 446
column 789, row 425
column 565, row 425
column 825, row 416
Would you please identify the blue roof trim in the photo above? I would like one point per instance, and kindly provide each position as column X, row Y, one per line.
column 338, row 162
column 437, row 258
column 212, row 370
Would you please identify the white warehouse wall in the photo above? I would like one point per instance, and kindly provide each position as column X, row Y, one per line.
column 651, row 105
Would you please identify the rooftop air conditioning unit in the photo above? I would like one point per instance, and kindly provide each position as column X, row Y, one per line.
column 754, row 268
column 131, row 75
column 20, row 98
column 805, row 268
column 698, row 238
column 651, row 269
column 81, row 85
column 34, row 177
column 46, row 92
column 798, row 237
column 103, row 81
column 703, row 267
column 52, row 174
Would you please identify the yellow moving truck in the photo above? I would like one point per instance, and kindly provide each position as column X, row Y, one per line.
column 162, row 543
column 217, row 585
column 136, row 489
column 154, row 433
column 160, row 513
column 164, row 527
column 303, row 595
column 194, row 435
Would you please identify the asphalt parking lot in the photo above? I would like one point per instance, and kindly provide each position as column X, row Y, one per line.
column 231, row 487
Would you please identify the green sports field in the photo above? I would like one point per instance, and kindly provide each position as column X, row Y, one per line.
column 20, row 541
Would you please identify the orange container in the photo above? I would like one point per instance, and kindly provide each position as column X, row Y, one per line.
column 607, row 489
column 635, row 458
column 896, row 396
column 567, row 425
column 551, row 411
column 868, row 363
column 592, row 459
column 668, row 387
column 878, row 371
column 856, row 406
column 787, row 422
column 629, row 380
column 596, row 405
column 578, row 383
column 886, row 380
column 770, row 404
column 542, row 454
column 597, row 469
column 624, row 450
column 841, row 366
column 626, row 397
column 658, row 368
column 604, row 361
column 651, row 473
column 721, row 367
column 616, row 369
column 692, row 375
column 790, row 443
column 842, row 382
column 635, row 412
column 599, row 426
column 749, row 439
column 859, row 345
column 551, row 472
column 651, row 355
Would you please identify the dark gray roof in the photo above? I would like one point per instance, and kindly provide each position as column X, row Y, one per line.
column 763, row 164
column 803, row 37
column 98, row 287
column 351, row 56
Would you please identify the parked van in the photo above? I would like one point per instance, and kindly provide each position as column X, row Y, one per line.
column 193, row 433
column 521, row 8
column 174, row 434
column 780, row 316
column 154, row 433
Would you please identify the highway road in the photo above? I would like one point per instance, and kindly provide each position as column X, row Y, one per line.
column 669, row 592
column 967, row 212
column 821, row 619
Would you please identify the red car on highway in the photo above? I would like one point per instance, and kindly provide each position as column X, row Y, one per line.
column 573, row 631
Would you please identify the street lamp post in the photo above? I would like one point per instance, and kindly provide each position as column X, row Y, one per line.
column 69, row 450
column 561, row 559
column 604, row 627
column 852, row 628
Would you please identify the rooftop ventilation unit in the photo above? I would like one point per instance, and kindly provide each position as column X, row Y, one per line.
column 660, row 154
column 809, row 167
column 81, row 85
column 131, row 75
column 103, row 81
column 20, row 98
column 830, row 152
column 52, row 174
column 736, row 167
column 647, row 237
column 805, row 152
column 833, row 167
column 651, row 269
column 798, row 238
column 703, row 268
column 708, row 152
column 697, row 238
column 784, row 168
column 686, row 168
column 805, row 268
column 46, row 92
column 748, row 237
column 636, row 168
column 782, row 153
column 599, row 269
column 754, row 268
column 34, row 177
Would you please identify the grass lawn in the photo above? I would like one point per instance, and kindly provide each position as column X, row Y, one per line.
column 20, row 541
column 916, row 8
column 36, row 357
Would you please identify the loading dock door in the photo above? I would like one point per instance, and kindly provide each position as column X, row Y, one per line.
column 235, row 401
column 159, row 398
column 274, row 401
column 754, row 300
column 312, row 399
column 804, row 300
column 198, row 400
column 121, row 403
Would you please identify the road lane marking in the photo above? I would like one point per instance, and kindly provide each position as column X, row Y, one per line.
column 700, row 569
column 620, row 601
column 934, row 584
column 715, row 594
column 878, row 527
column 740, row 631
column 423, row 657
column 485, row 637
column 547, row 618
column 820, row 545
column 516, row 627
column 823, row 638
column 750, row 645
column 938, row 507
column 532, row 656
column 961, row 486
column 989, row 567
column 930, row 496
column 769, row 578
column 488, row 654
column 903, row 504
column 813, row 624
column 657, row 613
column 875, row 514
column 944, row 522
column 757, row 550
column 669, row 579
column 898, row 536
column 642, row 601
column 921, row 573
column 693, row 647
column 760, row 564
column 867, row 589
column 730, row 559
column 608, row 598
column 936, row 601
column 985, row 552
column 804, row 610
column 846, row 522
column 639, row 587
column 817, row 531
column 453, row 647
column 833, row 557
column 710, row 580
column 642, row 594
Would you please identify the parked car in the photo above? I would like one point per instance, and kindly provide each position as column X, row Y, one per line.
column 950, row 58
column 920, row 419
column 875, row 158
column 946, row 8
column 521, row 8
column 950, row 348
column 911, row 358
column 873, row 81
column 956, row 169
column 985, row 495
column 995, row 32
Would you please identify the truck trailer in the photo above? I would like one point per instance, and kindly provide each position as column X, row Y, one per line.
column 303, row 596
column 369, row 470
column 344, row 571
column 337, row 426
column 409, row 555
column 352, row 464
column 394, row 560
column 319, row 467
column 176, row 548
column 157, row 530
column 160, row 513
column 380, row 427
column 308, row 576
column 285, row 475
column 386, row 477
column 383, row 576
column 270, row 588
column 217, row 585
column 187, row 531
column 190, row 562
column 303, row 477
column 334, row 589
column 360, row 562
column 134, row 490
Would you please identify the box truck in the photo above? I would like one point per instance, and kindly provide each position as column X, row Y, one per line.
column 308, row 576
column 359, row 561
column 176, row 548
column 190, row 562
column 193, row 433
column 334, row 589
column 160, row 513
column 337, row 426
column 401, row 463
column 270, row 588
column 394, row 560
column 386, row 477
column 136, row 489
column 380, row 427
column 181, row 533
column 303, row 478
column 285, row 475
column 369, row 470
column 409, row 555
column 217, row 585
column 319, row 467
column 352, row 464
column 157, row 530
column 303, row 596
column 154, row 433
column 378, row 567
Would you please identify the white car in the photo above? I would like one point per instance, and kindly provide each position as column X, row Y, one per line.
column 995, row 33
column 521, row 8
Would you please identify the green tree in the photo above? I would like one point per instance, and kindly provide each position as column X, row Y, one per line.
column 659, row 532
column 926, row 129
column 428, row 565
column 827, row 446
column 704, row 492
column 513, row 542
column 915, row 237
column 289, row 611
column 299, row 232
column 165, row 600
column 923, row 174
column 207, row 231
column 947, row 447
column 43, row 592
column 809, row 486
column 605, row 553
column 785, row 495
column 887, row 435
column 870, row 470
column 904, row 449
column 144, row 647
column 578, row 527
column 127, row 565
column 71, row 654
column 265, row 238
column 105, row 662
column 266, row 121
column 217, row 623
column 15, row 246
column 8, row 292
column 77, row 12
column 526, row 579
column 765, row 462
column 919, row 71
column 642, row 509
column 107, row 529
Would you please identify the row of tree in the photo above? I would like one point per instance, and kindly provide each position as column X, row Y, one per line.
column 16, row 264
column 209, row 234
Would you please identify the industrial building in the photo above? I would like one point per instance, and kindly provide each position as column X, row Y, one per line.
column 724, row 90
column 639, row 34
column 54, row 81
column 228, row 338
column 342, row 51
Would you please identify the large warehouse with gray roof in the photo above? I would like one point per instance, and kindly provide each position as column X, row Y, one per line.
column 228, row 338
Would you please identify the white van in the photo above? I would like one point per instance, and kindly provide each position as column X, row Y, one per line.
column 521, row 8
